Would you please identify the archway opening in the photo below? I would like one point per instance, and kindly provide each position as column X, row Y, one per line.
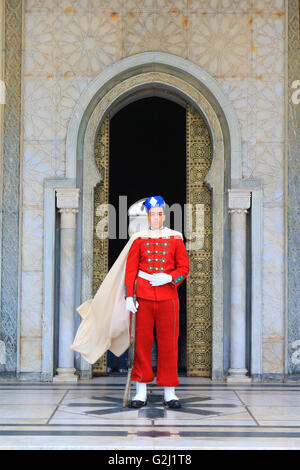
column 195, row 348
column 148, row 157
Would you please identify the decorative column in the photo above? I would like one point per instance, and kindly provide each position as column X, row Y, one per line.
column 67, row 203
column 238, row 205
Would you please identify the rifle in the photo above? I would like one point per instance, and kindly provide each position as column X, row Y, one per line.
column 130, row 359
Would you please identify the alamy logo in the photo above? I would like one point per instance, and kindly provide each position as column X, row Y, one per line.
column 2, row 92
column 192, row 227
column 295, row 95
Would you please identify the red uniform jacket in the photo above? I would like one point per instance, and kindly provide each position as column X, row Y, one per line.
column 156, row 255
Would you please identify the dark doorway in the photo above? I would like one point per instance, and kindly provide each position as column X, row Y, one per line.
column 147, row 158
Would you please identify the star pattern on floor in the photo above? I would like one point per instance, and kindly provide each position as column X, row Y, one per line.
column 106, row 405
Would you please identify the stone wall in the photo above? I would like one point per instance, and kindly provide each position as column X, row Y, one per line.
column 240, row 43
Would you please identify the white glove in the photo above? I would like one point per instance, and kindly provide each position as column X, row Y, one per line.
column 130, row 305
column 159, row 279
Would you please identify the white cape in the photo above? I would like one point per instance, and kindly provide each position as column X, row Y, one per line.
column 105, row 320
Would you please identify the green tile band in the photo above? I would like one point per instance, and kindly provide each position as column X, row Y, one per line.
column 10, row 182
column 178, row 279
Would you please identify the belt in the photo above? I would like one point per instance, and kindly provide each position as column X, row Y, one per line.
column 144, row 275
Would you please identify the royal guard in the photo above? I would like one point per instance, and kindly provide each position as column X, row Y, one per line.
column 158, row 264
column 157, row 260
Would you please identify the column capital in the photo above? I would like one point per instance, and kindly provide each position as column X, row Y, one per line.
column 239, row 200
column 67, row 199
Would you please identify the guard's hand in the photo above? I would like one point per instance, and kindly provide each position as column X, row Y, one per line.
column 159, row 279
column 130, row 305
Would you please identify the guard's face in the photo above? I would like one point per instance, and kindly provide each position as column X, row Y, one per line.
column 156, row 217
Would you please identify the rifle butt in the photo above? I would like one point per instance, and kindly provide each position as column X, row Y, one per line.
column 127, row 389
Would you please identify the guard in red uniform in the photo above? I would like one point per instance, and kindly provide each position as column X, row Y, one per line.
column 159, row 265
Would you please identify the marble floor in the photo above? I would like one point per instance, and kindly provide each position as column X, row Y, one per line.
column 89, row 415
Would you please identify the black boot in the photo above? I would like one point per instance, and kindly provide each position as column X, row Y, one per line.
column 137, row 403
column 174, row 404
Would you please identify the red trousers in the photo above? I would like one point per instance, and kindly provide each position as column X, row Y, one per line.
column 164, row 314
